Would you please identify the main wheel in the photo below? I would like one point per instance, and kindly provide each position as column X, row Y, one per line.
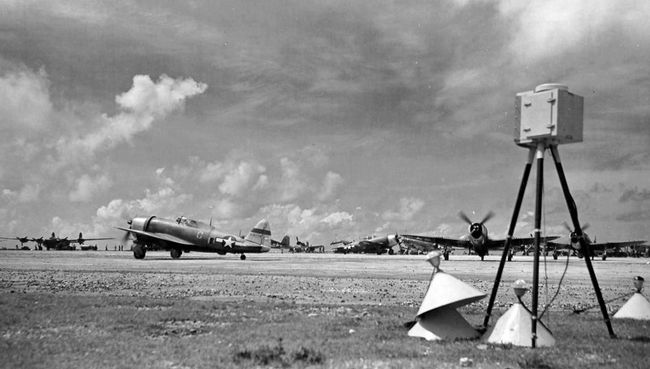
column 175, row 253
column 139, row 251
column 243, row 257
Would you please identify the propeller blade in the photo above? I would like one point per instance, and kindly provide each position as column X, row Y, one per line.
column 464, row 217
column 487, row 217
column 568, row 228
column 126, row 238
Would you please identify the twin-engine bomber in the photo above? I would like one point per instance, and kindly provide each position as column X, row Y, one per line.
column 185, row 235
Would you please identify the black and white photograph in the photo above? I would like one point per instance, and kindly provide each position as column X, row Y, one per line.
column 324, row 184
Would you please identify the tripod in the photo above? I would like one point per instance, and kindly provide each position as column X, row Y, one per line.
column 536, row 150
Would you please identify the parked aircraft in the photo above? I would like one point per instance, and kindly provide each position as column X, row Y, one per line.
column 22, row 240
column 373, row 245
column 306, row 247
column 54, row 242
column 476, row 241
column 185, row 235
column 57, row 243
column 604, row 248
column 284, row 244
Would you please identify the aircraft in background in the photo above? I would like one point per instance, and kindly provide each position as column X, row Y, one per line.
column 477, row 241
column 604, row 248
column 284, row 244
column 22, row 240
column 306, row 247
column 185, row 235
column 410, row 245
column 57, row 243
column 300, row 246
column 372, row 245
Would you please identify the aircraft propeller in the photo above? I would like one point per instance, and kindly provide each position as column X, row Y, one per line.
column 572, row 233
column 476, row 229
column 464, row 217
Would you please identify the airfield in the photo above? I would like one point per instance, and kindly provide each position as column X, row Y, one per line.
column 106, row 309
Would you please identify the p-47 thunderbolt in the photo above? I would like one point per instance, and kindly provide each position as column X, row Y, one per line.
column 476, row 240
column 185, row 235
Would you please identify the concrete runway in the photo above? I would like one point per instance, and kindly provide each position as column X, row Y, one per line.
column 611, row 271
column 304, row 278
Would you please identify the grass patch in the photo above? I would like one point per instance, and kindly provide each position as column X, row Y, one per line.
column 71, row 331
column 277, row 355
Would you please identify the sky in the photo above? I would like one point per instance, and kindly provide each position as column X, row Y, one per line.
column 331, row 119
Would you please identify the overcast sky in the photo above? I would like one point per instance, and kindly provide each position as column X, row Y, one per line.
column 332, row 119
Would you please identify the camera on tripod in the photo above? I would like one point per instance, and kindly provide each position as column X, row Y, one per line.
column 549, row 113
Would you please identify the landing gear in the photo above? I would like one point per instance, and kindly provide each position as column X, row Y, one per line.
column 176, row 253
column 139, row 251
column 243, row 257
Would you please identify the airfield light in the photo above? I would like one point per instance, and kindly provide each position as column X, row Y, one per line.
column 638, row 283
column 521, row 287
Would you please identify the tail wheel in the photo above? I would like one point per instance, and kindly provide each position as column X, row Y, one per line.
column 176, row 253
column 139, row 251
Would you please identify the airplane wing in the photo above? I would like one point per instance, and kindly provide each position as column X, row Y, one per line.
column 441, row 241
column 158, row 236
column 518, row 242
column 94, row 239
column 614, row 245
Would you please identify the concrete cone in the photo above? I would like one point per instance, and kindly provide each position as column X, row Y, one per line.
column 637, row 307
column 514, row 327
column 447, row 291
column 444, row 323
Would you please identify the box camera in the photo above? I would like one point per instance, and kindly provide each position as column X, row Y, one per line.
column 549, row 113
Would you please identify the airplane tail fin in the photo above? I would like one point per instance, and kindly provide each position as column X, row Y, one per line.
column 286, row 242
column 260, row 234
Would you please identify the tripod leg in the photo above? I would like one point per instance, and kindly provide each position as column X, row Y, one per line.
column 583, row 245
column 541, row 148
column 511, row 231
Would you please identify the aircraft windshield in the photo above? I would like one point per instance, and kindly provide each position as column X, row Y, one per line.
column 187, row 222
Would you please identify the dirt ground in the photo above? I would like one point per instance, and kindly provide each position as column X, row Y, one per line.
column 308, row 278
column 63, row 309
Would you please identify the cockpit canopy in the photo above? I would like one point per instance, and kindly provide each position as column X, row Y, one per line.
column 186, row 221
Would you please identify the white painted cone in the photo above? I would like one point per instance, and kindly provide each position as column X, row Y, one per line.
column 446, row 290
column 637, row 307
column 442, row 324
column 514, row 327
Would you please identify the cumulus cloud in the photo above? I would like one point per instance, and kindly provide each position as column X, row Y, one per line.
column 87, row 186
column 331, row 183
column 165, row 200
column 337, row 218
column 409, row 206
column 547, row 28
column 240, row 179
column 291, row 184
column 29, row 193
column 145, row 102
column 25, row 99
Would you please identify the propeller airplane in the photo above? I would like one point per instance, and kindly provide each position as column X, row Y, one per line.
column 185, row 235
column 605, row 248
column 477, row 240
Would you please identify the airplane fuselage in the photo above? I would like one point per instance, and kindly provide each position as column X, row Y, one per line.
column 478, row 236
column 184, row 235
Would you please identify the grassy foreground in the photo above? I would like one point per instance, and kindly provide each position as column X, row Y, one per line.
column 41, row 330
